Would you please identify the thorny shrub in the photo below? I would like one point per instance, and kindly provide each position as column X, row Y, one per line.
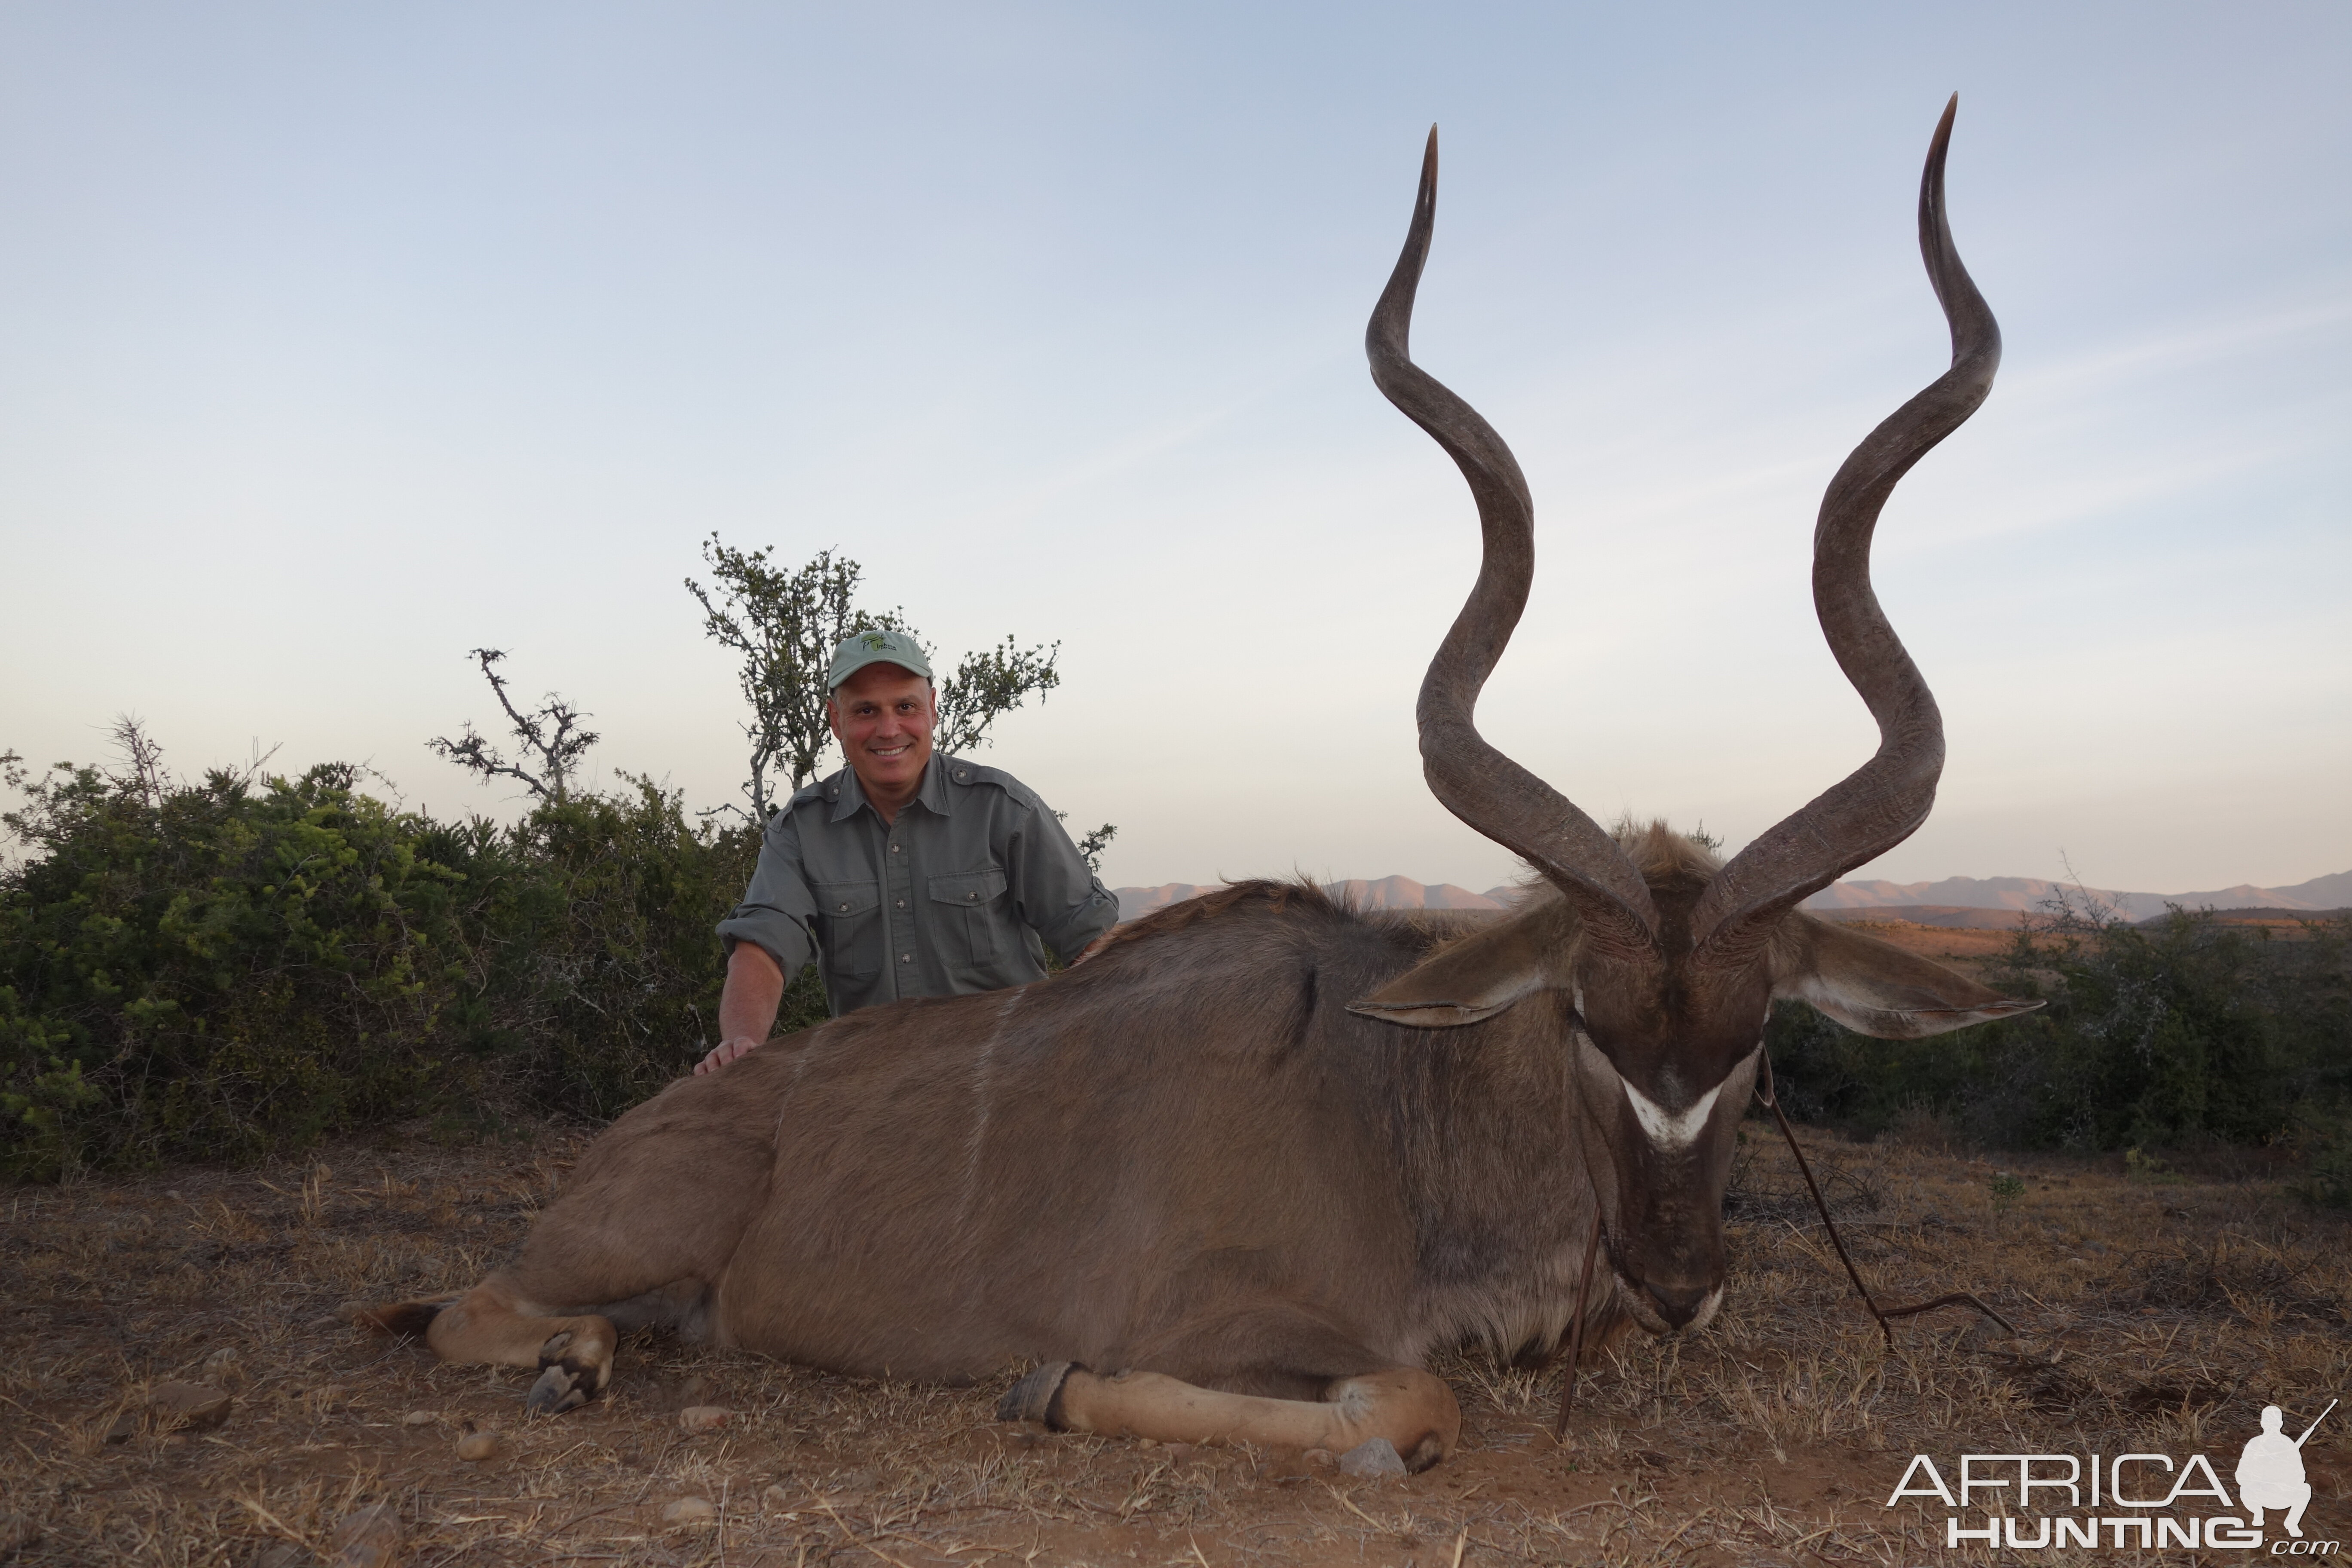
column 2182, row 1031
column 248, row 963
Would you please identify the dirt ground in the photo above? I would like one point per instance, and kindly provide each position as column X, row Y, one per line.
column 2159, row 1312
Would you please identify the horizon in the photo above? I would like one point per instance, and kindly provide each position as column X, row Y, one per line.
column 1842, row 882
column 339, row 343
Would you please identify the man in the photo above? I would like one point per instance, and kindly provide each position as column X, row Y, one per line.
column 906, row 874
column 2270, row 1471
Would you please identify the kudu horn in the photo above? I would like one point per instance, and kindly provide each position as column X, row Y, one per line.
column 1883, row 801
column 1473, row 780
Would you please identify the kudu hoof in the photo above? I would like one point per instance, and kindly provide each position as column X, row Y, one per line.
column 1038, row 1397
column 564, row 1384
column 1373, row 1458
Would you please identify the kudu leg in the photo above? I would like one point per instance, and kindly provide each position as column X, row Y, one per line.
column 1414, row 1411
column 493, row 1323
column 640, row 1237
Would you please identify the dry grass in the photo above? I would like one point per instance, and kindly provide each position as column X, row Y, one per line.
column 2157, row 1315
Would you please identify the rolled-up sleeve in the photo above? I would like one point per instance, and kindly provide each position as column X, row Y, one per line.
column 1055, row 894
column 777, row 914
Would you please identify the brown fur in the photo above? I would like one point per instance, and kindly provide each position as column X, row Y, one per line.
column 1189, row 1157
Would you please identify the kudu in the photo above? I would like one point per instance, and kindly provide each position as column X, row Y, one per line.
column 1242, row 1174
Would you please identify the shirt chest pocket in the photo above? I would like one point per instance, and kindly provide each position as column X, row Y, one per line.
column 971, row 915
column 850, row 926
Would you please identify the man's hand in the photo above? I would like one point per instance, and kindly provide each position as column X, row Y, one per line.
column 747, row 1006
column 727, row 1051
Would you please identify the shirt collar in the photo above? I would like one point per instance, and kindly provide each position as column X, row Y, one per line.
column 933, row 791
column 848, row 795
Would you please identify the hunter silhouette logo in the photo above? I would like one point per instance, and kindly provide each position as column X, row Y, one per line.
column 2270, row 1472
column 2146, row 1500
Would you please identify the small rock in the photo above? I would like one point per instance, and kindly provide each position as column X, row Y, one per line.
column 703, row 1417
column 776, row 1499
column 476, row 1446
column 198, row 1406
column 1322, row 1458
column 370, row 1537
column 417, row 1418
column 689, row 1510
column 1377, row 1457
column 125, row 1426
column 221, row 1360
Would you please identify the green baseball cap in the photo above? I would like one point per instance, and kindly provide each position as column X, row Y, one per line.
column 862, row 649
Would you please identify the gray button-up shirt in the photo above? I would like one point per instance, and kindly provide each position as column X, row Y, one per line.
column 963, row 892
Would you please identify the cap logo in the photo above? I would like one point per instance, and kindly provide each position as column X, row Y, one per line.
column 879, row 641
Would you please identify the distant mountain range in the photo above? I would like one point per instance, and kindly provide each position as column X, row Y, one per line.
column 2332, row 892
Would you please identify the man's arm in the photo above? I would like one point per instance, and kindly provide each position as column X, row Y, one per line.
column 768, row 939
column 747, row 1007
column 1060, row 896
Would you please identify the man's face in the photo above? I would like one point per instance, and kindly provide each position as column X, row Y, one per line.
column 883, row 716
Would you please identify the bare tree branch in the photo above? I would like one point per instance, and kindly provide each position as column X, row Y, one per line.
column 551, row 736
column 142, row 761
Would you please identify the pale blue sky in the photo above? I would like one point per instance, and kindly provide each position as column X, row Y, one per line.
column 337, row 341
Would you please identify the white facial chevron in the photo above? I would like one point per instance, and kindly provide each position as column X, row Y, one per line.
column 1671, row 1133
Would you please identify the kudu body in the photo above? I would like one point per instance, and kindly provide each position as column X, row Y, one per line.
column 1239, row 1175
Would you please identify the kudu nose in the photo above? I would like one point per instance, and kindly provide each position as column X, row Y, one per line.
column 1678, row 1306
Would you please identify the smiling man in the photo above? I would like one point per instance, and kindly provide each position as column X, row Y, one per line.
column 904, row 874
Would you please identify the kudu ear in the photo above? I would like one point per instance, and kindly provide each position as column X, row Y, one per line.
column 1876, row 988
column 1475, row 977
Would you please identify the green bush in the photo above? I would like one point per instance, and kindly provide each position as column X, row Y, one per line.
column 2325, row 1145
column 215, row 969
column 2188, row 1030
column 598, row 973
column 241, row 966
